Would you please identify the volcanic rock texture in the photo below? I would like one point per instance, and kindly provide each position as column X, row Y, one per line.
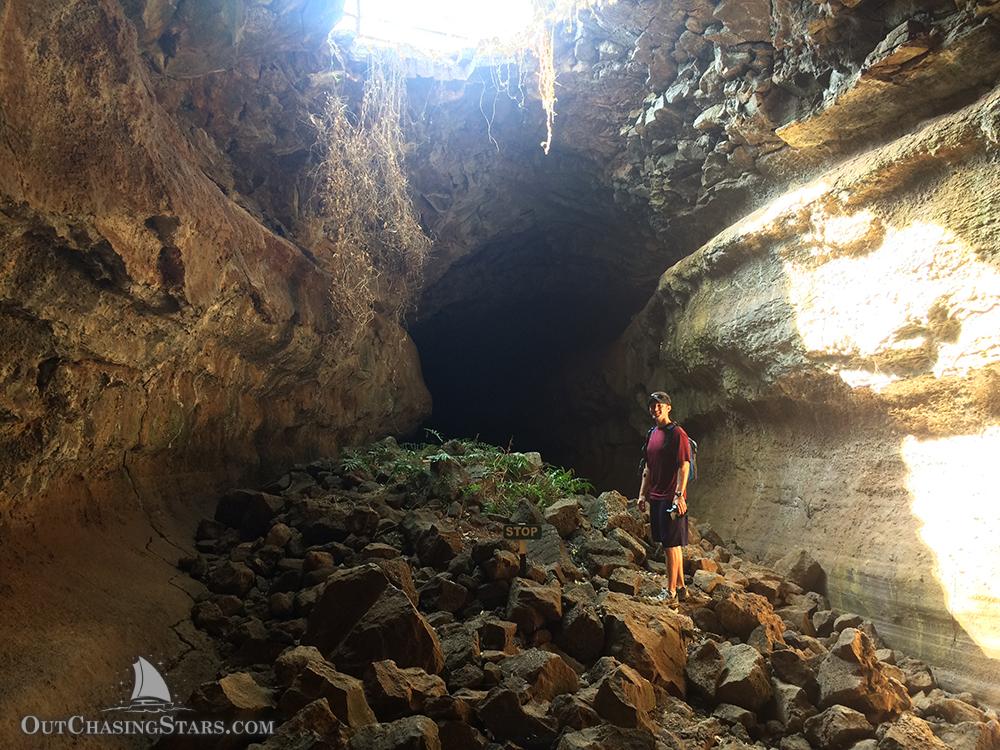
column 159, row 337
column 837, row 353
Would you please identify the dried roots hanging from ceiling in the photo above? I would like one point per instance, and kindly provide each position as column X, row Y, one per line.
column 373, row 246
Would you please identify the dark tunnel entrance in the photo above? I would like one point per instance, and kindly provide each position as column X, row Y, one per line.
column 525, row 316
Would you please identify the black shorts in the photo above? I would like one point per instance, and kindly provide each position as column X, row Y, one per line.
column 670, row 532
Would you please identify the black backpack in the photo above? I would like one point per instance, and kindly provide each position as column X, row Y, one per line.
column 692, row 474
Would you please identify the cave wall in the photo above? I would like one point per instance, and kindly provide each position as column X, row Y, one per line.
column 837, row 355
column 162, row 339
column 155, row 325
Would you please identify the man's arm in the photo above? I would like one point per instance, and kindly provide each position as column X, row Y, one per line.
column 644, row 489
column 682, row 485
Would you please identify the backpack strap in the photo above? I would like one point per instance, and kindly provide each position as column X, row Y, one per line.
column 645, row 446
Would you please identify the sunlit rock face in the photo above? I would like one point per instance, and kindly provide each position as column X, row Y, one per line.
column 837, row 353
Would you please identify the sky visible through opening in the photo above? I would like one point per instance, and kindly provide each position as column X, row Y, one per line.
column 435, row 25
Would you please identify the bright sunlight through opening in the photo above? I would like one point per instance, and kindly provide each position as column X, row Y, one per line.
column 436, row 26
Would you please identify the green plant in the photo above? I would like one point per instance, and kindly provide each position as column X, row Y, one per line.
column 498, row 478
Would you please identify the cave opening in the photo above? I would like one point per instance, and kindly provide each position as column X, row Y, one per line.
column 496, row 358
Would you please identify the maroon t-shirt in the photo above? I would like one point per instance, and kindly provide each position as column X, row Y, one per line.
column 667, row 449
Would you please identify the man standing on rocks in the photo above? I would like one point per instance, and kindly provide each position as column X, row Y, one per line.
column 664, row 488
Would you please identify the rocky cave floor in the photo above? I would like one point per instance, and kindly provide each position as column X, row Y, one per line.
column 359, row 609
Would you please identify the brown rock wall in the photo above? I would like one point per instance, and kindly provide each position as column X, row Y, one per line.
column 158, row 342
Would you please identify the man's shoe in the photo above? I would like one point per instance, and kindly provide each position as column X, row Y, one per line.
column 682, row 593
column 665, row 595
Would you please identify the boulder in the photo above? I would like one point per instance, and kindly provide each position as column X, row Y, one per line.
column 231, row 578
column 582, row 633
column 740, row 613
column 394, row 692
column 532, row 605
column 437, row 546
column 908, row 733
column 574, row 712
column 838, row 727
column 527, row 725
column 852, row 676
column 602, row 556
column 953, row 710
column 344, row 694
column 650, row 638
column 792, row 705
column 502, row 566
column 745, row 680
column 291, row 661
column 360, row 618
column 497, row 635
column 731, row 714
column 792, row 666
column 630, row 543
column 607, row 736
column 624, row 697
column 625, row 581
column 442, row 594
column 411, row 733
column 460, row 645
column 459, row 735
column 801, row 567
column 547, row 673
column 704, row 668
column 235, row 695
column 970, row 735
column 313, row 726
column 565, row 515
column 823, row 621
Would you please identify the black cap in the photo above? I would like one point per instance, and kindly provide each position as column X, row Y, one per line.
column 658, row 397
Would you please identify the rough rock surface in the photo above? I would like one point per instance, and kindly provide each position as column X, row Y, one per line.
column 163, row 334
column 502, row 683
column 843, row 324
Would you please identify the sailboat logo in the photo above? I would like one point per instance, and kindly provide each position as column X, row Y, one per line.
column 150, row 693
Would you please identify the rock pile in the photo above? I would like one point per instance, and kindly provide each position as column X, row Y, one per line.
column 363, row 614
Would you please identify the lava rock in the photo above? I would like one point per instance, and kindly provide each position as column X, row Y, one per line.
column 838, row 727
column 344, row 694
column 647, row 637
column 851, row 676
column 531, row 605
column 802, row 568
column 527, row 725
column 548, row 674
column 394, row 692
column 745, row 679
column 908, row 733
column 360, row 618
column 565, row 515
column 582, row 633
column 607, row 736
column 411, row 733
column 624, row 697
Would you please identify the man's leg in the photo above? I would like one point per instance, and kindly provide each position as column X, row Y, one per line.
column 679, row 563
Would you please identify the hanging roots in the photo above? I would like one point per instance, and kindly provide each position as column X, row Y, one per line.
column 540, row 40
column 374, row 247
column 547, row 82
